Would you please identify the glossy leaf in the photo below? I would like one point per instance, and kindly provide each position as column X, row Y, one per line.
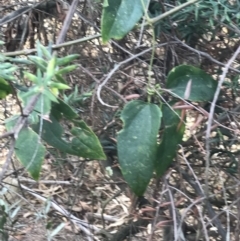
column 202, row 88
column 137, row 143
column 119, row 17
column 172, row 136
column 30, row 152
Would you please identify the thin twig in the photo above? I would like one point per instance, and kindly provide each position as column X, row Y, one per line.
column 8, row 160
column 116, row 67
column 84, row 226
column 204, row 54
column 67, row 22
column 237, row 229
column 212, row 110
column 54, row 46
column 209, row 207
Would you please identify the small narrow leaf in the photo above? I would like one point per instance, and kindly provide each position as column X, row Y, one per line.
column 39, row 50
column 5, row 66
column 59, row 86
column 47, row 54
column 31, row 77
column 137, row 143
column 51, row 68
column 10, row 70
column 20, row 61
column 39, row 62
column 66, row 70
column 60, row 79
column 66, row 60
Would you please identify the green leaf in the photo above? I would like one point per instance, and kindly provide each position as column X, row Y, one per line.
column 9, row 71
column 172, row 136
column 66, row 69
column 203, row 86
column 105, row 3
column 51, row 68
column 20, row 61
column 59, row 86
column 11, row 121
column 60, row 79
column 30, row 151
column 5, row 88
column 51, row 95
column 85, row 143
column 47, row 53
column 43, row 105
column 62, row 109
column 31, row 77
column 137, row 143
column 66, row 60
column 39, row 62
column 39, row 50
column 5, row 66
column 52, row 132
column 119, row 17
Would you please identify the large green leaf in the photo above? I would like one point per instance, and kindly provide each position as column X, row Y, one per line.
column 30, row 151
column 85, row 143
column 172, row 136
column 137, row 143
column 202, row 86
column 119, row 17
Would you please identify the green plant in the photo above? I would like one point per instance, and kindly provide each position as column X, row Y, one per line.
column 7, row 215
column 140, row 151
column 75, row 98
column 42, row 113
